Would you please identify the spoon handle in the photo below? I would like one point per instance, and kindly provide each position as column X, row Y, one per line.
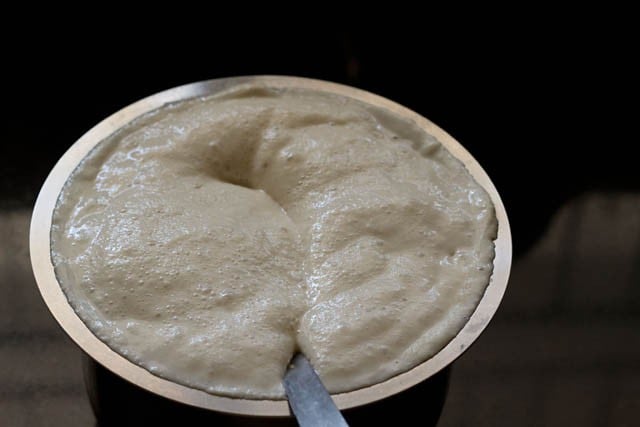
column 310, row 402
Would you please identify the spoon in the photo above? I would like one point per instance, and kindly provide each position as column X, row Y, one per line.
column 309, row 400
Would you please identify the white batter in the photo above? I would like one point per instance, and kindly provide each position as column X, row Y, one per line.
column 212, row 239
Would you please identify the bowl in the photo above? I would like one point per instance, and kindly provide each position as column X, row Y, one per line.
column 56, row 301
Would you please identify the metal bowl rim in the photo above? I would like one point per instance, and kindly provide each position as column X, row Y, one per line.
column 57, row 302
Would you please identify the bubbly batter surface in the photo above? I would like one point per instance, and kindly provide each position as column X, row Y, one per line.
column 210, row 240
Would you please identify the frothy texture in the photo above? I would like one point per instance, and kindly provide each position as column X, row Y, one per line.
column 210, row 240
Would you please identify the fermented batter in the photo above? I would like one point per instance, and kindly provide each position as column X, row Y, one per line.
column 210, row 240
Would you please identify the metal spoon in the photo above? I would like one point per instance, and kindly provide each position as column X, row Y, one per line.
column 310, row 402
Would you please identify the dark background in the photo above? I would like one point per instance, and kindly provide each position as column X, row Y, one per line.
column 541, row 105
column 546, row 106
